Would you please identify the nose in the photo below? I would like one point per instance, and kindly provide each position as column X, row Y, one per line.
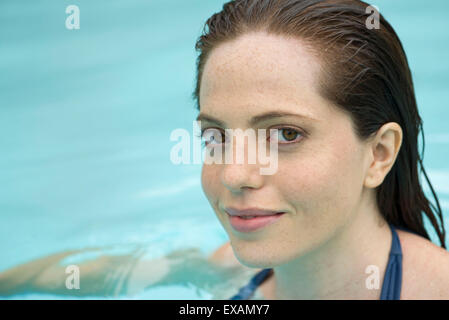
column 237, row 176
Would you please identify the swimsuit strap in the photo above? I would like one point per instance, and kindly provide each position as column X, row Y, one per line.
column 391, row 287
column 247, row 291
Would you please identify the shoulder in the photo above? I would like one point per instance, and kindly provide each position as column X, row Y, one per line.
column 425, row 268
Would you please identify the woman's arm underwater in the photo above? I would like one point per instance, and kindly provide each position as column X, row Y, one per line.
column 101, row 276
column 113, row 275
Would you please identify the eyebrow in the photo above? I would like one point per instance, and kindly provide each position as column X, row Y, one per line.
column 256, row 119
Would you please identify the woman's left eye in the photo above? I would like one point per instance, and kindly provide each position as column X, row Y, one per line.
column 286, row 135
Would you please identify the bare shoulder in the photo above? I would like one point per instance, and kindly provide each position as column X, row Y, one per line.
column 425, row 268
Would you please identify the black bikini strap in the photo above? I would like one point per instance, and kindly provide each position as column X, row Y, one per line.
column 247, row 291
column 391, row 287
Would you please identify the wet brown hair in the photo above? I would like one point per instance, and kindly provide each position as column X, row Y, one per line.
column 364, row 72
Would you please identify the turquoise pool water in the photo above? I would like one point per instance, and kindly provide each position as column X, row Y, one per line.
column 86, row 116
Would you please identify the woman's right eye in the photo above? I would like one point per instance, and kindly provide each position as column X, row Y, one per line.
column 212, row 137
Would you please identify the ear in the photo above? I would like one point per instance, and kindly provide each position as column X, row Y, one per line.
column 384, row 148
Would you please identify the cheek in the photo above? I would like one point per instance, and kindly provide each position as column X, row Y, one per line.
column 213, row 189
column 210, row 182
column 323, row 186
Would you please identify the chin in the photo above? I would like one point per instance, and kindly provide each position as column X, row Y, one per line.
column 256, row 263
column 257, row 254
column 253, row 257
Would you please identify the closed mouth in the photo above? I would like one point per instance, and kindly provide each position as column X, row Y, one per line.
column 250, row 213
column 251, row 223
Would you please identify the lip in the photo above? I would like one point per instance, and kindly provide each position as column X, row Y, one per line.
column 250, row 212
column 262, row 218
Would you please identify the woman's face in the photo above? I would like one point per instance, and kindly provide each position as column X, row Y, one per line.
column 321, row 170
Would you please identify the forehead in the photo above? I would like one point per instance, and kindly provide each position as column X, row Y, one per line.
column 258, row 70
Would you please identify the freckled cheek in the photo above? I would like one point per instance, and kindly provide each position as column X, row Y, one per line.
column 301, row 184
column 314, row 185
column 210, row 182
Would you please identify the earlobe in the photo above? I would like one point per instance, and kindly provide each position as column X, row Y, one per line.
column 384, row 147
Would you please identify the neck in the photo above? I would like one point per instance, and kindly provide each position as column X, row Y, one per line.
column 337, row 268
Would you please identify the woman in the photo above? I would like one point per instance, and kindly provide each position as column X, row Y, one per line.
column 343, row 213
column 341, row 96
